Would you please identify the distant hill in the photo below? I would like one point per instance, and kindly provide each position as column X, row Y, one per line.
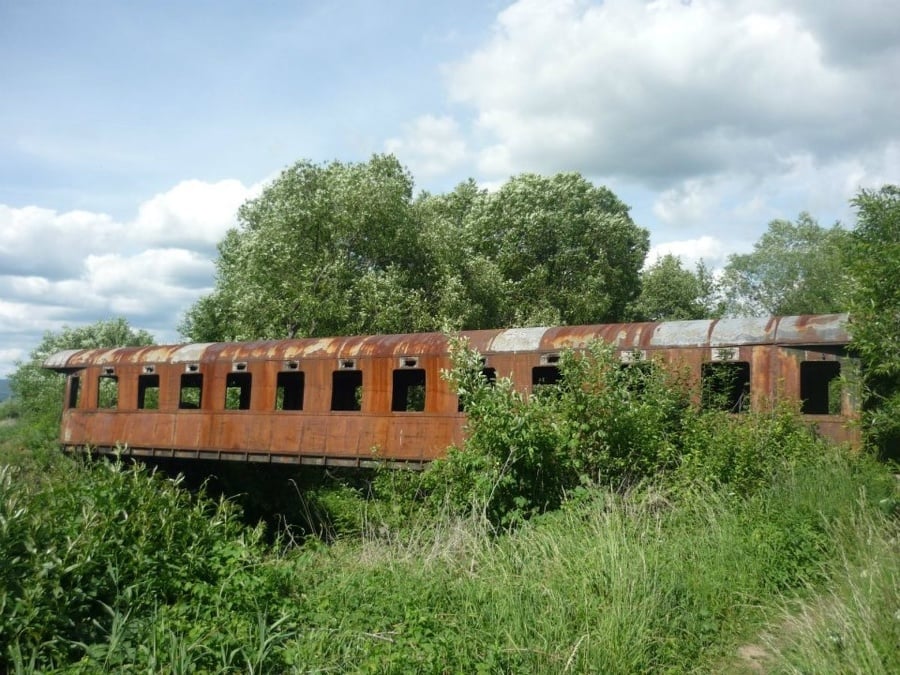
column 5, row 393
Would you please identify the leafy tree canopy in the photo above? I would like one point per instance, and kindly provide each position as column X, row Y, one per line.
column 567, row 250
column 306, row 250
column 669, row 292
column 39, row 392
column 873, row 268
column 341, row 249
column 795, row 268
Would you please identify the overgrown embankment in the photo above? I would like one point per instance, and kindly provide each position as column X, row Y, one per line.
column 112, row 568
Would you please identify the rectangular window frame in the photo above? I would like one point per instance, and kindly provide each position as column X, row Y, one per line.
column 347, row 390
column 190, row 387
column 74, row 400
column 107, row 391
column 290, row 386
column 724, row 391
column 238, row 391
column 820, row 387
column 545, row 375
column 409, row 390
column 148, row 392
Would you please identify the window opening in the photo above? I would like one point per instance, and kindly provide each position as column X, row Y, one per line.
column 289, row 391
column 725, row 386
column 544, row 380
column 237, row 391
column 346, row 390
column 409, row 390
column 820, row 387
column 191, row 391
column 490, row 376
column 108, row 392
column 634, row 375
column 74, row 391
column 545, row 375
column 148, row 392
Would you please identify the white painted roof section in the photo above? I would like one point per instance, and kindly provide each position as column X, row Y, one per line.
column 518, row 340
column 60, row 359
column 681, row 334
column 188, row 353
column 825, row 328
column 746, row 330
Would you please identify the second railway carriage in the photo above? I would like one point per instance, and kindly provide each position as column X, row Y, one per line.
column 355, row 400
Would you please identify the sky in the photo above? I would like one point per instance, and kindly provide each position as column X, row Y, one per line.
column 130, row 133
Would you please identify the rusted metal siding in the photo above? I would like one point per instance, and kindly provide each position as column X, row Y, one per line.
column 773, row 348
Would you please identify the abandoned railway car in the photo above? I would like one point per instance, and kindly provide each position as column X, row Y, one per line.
column 350, row 401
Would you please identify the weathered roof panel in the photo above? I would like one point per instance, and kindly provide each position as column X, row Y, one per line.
column 743, row 330
column 813, row 329
column 518, row 340
column 188, row 353
column 681, row 334
column 60, row 360
column 824, row 329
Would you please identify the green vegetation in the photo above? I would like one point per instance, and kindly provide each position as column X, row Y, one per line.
column 344, row 249
column 603, row 524
column 111, row 567
column 873, row 266
column 38, row 393
column 669, row 292
column 795, row 268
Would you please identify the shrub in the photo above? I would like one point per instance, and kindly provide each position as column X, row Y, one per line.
column 743, row 451
column 86, row 545
column 604, row 422
column 512, row 464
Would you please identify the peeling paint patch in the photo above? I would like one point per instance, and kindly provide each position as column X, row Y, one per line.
column 518, row 340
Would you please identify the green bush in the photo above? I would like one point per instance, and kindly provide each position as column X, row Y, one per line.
column 743, row 451
column 605, row 422
column 513, row 463
column 621, row 421
column 83, row 546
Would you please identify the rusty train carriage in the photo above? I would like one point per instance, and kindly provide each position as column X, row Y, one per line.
column 354, row 400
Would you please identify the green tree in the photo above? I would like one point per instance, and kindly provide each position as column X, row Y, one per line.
column 342, row 249
column 873, row 268
column 795, row 268
column 40, row 392
column 465, row 286
column 669, row 292
column 309, row 250
column 568, row 251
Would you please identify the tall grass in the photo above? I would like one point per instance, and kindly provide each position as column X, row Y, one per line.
column 853, row 625
column 613, row 583
column 105, row 567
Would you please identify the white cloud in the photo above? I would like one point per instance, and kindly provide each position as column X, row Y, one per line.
column 669, row 90
column 78, row 267
column 192, row 212
column 11, row 356
column 36, row 240
column 18, row 318
column 711, row 250
column 690, row 202
column 431, row 146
